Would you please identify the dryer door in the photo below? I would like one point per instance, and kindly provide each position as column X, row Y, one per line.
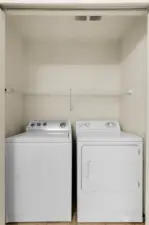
column 111, row 168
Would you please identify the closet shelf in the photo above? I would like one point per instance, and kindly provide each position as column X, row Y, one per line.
column 71, row 93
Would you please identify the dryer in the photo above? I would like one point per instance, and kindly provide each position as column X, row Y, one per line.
column 39, row 173
column 109, row 173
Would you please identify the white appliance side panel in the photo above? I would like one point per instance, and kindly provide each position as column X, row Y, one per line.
column 2, row 117
column 38, row 182
column 110, row 184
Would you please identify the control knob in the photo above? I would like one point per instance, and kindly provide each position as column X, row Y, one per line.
column 62, row 124
column 110, row 124
column 87, row 124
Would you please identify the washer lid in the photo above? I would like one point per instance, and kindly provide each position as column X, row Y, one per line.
column 123, row 137
column 40, row 137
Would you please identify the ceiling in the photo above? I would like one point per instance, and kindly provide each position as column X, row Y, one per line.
column 67, row 28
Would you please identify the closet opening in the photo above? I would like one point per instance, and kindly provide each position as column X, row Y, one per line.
column 76, row 65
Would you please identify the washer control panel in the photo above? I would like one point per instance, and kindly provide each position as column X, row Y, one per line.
column 48, row 125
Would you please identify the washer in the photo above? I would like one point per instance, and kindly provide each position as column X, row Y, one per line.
column 109, row 173
column 39, row 173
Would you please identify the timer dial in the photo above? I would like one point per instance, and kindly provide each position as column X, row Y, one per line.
column 62, row 124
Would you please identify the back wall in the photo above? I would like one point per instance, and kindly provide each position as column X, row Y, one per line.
column 83, row 67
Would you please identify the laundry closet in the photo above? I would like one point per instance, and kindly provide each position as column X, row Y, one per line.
column 77, row 65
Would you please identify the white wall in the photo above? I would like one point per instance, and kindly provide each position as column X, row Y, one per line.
column 57, row 67
column 133, row 75
column 14, row 79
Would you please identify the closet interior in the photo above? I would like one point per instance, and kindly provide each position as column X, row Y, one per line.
column 75, row 67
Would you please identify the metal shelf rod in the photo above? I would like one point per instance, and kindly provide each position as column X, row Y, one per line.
column 70, row 93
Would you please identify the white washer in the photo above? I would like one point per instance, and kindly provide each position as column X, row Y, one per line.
column 109, row 173
column 39, row 173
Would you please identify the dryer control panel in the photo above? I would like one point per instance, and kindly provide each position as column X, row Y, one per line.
column 48, row 125
column 104, row 127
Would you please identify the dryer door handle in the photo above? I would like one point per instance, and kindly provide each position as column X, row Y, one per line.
column 88, row 169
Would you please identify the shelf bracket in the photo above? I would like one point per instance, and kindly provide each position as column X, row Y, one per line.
column 9, row 90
